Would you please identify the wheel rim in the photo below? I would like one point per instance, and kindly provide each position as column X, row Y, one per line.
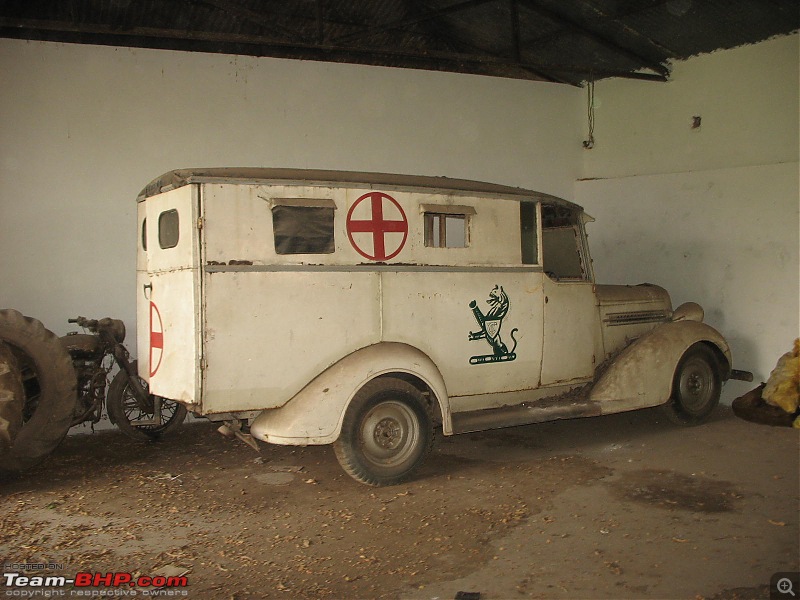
column 389, row 433
column 133, row 411
column 696, row 385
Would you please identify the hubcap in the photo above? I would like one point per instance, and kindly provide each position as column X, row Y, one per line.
column 389, row 433
column 696, row 385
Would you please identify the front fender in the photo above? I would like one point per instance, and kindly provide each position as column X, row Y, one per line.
column 314, row 415
column 641, row 375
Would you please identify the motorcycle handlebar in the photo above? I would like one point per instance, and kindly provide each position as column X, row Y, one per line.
column 84, row 322
column 113, row 327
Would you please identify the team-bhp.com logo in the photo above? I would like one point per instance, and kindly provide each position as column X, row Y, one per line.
column 114, row 584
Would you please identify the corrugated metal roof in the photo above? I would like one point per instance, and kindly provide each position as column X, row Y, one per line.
column 568, row 41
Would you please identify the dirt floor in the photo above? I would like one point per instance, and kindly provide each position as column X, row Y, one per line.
column 623, row 506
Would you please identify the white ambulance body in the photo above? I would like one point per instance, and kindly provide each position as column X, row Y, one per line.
column 371, row 311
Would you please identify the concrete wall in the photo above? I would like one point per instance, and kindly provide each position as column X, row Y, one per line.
column 710, row 213
column 84, row 128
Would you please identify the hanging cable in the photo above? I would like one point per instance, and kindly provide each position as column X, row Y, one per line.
column 589, row 142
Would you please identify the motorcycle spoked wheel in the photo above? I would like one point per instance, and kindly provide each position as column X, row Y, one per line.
column 124, row 411
column 49, row 389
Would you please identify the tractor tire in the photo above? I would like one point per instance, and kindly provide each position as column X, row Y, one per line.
column 12, row 398
column 49, row 387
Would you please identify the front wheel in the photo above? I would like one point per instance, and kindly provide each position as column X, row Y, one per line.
column 696, row 386
column 387, row 432
column 124, row 410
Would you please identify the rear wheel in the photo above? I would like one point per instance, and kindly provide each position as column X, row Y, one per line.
column 696, row 386
column 48, row 380
column 387, row 432
column 124, row 410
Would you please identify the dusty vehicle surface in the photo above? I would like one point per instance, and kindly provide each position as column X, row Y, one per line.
column 49, row 384
column 372, row 311
column 139, row 415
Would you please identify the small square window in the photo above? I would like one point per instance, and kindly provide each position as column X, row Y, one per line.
column 303, row 226
column 447, row 226
column 168, row 229
column 446, row 231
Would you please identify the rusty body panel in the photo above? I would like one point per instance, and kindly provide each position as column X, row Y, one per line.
column 628, row 311
column 641, row 375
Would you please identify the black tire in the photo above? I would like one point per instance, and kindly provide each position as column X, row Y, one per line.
column 387, row 432
column 12, row 398
column 124, row 410
column 696, row 386
column 49, row 383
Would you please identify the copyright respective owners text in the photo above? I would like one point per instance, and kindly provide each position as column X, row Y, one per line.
column 36, row 580
column 784, row 586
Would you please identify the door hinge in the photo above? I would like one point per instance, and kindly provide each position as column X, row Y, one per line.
column 200, row 223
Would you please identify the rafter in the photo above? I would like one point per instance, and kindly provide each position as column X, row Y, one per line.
column 265, row 46
column 438, row 31
column 266, row 22
column 630, row 10
column 594, row 36
column 427, row 16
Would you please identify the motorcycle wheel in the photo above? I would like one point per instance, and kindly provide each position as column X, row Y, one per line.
column 48, row 380
column 124, row 411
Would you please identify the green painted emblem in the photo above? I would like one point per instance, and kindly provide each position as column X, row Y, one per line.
column 491, row 323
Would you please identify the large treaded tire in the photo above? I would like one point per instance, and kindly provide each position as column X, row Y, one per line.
column 12, row 398
column 387, row 432
column 121, row 405
column 696, row 386
column 46, row 364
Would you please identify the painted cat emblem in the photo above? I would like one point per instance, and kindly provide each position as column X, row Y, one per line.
column 491, row 323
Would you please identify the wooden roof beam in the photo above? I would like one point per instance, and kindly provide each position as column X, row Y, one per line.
column 596, row 37
column 426, row 16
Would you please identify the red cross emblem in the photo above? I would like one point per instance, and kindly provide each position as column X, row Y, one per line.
column 377, row 226
column 156, row 339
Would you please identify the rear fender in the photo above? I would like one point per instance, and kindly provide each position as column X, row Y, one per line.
column 314, row 415
column 641, row 375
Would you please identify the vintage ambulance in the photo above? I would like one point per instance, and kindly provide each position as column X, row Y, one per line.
column 372, row 311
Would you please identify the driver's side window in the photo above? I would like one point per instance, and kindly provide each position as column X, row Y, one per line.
column 562, row 246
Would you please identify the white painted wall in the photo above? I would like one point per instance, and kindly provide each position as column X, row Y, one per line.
column 84, row 128
column 711, row 214
column 747, row 98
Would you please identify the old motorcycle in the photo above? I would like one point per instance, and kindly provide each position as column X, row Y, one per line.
column 138, row 414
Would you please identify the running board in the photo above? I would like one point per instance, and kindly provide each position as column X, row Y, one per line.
column 522, row 414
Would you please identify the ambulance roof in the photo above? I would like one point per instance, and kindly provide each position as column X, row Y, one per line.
column 259, row 176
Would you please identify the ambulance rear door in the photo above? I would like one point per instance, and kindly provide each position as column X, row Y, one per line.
column 169, row 295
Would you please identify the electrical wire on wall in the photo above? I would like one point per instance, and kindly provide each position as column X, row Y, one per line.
column 589, row 142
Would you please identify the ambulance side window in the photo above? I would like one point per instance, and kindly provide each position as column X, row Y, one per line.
column 168, row 229
column 303, row 226
column 447, row 226
column 561, row 243
column 144, row 235
column 530, row 245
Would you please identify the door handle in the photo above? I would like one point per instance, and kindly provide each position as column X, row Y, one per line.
column 145, row 287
